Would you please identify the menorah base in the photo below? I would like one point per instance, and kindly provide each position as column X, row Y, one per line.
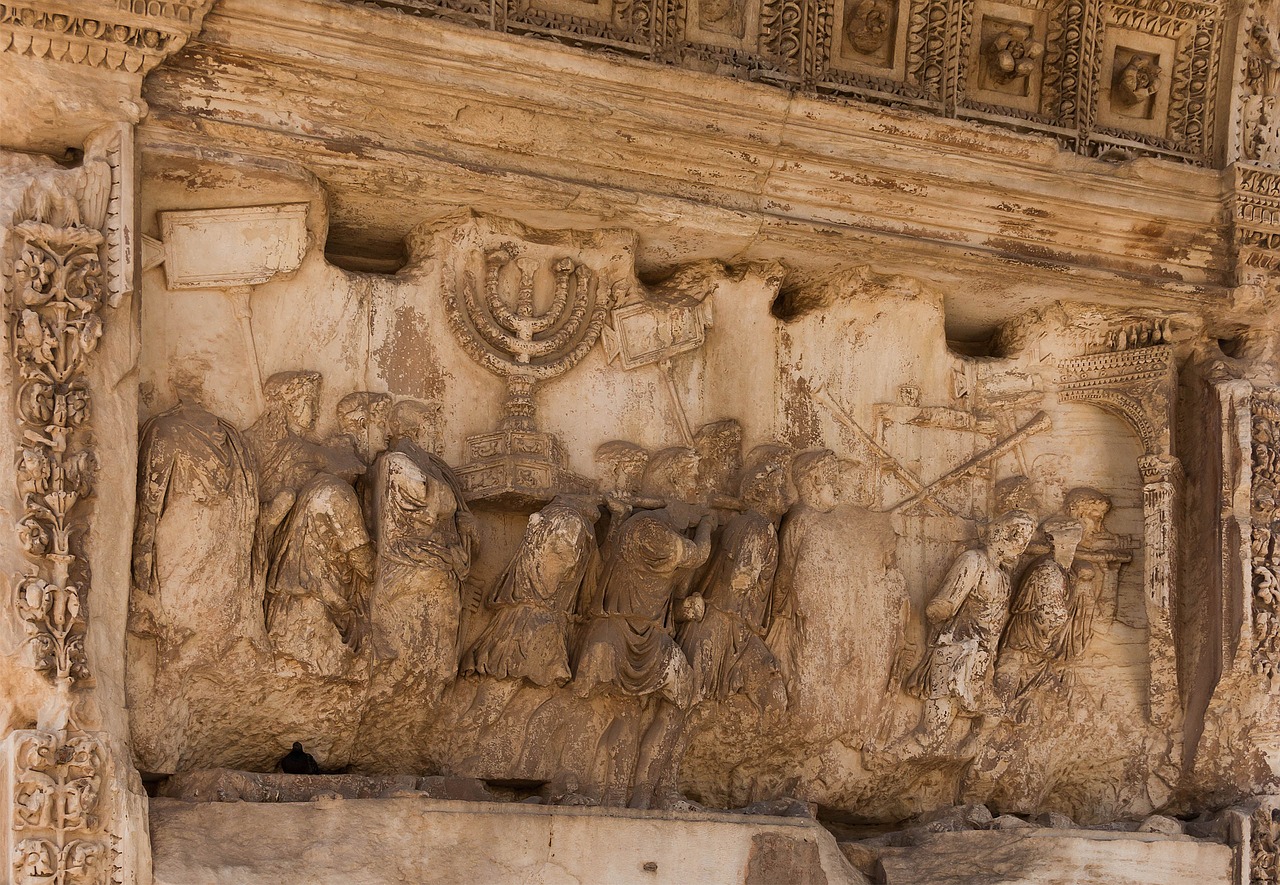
column 517, row 469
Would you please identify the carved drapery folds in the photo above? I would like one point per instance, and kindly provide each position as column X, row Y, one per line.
column 55, row 789
column 1135, row 379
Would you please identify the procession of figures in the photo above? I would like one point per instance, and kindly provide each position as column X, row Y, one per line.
column 668, row 587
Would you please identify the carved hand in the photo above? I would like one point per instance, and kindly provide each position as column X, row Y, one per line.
column 467, row 525
column 362, row 560
column 692, row 608
column 278, row 509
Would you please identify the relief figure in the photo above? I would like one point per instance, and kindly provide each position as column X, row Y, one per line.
column 425, row 539
column 362, row 424
column 321, row 558
column 283, row 443
column 628, row 645
column 1039, row 633
column 536, row 599
column 726, row 647
column 193, row 541
column 621, row 465
column 817, row 476
column 719, row 448
column 966, row 618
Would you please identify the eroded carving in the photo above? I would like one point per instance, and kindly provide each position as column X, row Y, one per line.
column 194, row 469
column 425, row 538
column 54, row 324
column 313, row 529
column 1134, row 84
column 538, row 598
column 868, row 26
column 967, row 617
column 628, row 646
column 492, row 295
column 816, row 475
column 57, row 808
column 1013, row 54
column 1049, row 617
column 133, row 38
column 723, row 635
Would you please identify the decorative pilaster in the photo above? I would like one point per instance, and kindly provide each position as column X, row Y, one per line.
column 1253, row 146
column 55, row 288
column 55, row 296
column 1161, row 492
column 67, row 235
column 54, row 782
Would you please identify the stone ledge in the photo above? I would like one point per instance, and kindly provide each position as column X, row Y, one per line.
column 1057, row 857
column 375, row 841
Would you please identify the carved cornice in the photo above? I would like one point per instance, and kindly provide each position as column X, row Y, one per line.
column 783, row 175
column 930, row 54
column 118, row 35
column 1255, row 213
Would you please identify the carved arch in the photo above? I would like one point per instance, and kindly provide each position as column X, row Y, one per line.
column 1135, row 385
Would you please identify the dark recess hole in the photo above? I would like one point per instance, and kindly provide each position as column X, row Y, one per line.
column 784, row 306
column 381, row 261
column 986, row 345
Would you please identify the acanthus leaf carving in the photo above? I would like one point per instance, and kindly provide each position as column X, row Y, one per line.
column 57, row 806
column 56, row 293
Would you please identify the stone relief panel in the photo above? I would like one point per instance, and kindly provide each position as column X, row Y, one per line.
column 659, row 604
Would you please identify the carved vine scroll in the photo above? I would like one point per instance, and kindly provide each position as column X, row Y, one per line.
column 59, row 270
column 53, row 328
column 56, row 804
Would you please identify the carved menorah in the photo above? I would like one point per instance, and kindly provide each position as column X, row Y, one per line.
column 511, row 339
column 500, row 326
